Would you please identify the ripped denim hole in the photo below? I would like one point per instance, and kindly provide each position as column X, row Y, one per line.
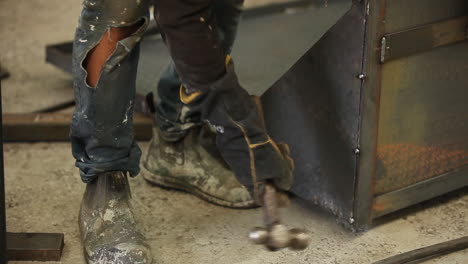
column 100, row 54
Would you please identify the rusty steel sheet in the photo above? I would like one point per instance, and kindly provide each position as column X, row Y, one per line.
column 35, row 246
column 423, row 120
column 31, row 127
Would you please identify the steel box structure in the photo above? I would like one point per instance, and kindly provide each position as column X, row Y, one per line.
column 376, row 112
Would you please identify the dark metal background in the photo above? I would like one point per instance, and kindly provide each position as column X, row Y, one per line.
column 314, row 107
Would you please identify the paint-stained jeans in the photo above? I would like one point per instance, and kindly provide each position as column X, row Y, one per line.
column 102, row 130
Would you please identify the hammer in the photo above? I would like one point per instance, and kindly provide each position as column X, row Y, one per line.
column 276, row 236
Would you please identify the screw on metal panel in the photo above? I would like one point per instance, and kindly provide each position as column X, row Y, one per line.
column 383, row 49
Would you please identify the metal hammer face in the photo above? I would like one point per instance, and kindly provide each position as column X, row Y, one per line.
column 280, row 237
column 276, row 236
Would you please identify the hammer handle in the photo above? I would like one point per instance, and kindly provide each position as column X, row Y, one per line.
column 270, row 206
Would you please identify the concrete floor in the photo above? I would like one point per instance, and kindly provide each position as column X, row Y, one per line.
column 44, row 191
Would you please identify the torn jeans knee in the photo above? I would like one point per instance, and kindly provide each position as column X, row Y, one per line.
column 102, row 128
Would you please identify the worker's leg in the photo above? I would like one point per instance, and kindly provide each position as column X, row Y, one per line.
column 172, row 120
column 105, row 57
column 179, row 144
column 211, row 88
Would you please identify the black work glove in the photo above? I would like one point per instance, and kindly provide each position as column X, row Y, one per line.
column 241, row 135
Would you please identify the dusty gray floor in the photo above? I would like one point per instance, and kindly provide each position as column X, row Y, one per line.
column 44, row 191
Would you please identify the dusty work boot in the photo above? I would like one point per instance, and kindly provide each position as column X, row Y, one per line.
column 107, row 225
column 189, row 166
column 241, row 135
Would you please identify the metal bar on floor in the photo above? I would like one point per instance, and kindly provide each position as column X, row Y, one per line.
column 31, row 127
column 427, row 252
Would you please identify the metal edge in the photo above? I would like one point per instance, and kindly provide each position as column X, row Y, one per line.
column 370, row 102
column 421, row 191
column 430, row 41
column 35, row 246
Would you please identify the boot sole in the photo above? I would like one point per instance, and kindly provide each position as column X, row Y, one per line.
column 173, row 183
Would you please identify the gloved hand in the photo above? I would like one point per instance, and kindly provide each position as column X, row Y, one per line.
column 241, row 135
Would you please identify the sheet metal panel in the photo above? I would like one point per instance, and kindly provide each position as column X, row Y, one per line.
column 314, row 108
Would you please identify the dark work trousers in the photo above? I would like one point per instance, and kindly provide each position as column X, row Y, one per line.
column 198, row 34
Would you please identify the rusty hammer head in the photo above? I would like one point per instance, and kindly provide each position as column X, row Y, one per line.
column 279, row 237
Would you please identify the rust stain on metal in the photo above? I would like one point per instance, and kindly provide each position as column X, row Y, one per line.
column 409, row 163
column 377, row 207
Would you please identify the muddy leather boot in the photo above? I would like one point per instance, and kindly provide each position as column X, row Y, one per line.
column 107, row 225
column 190, row 166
